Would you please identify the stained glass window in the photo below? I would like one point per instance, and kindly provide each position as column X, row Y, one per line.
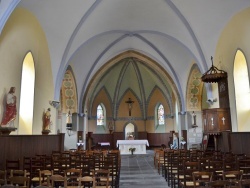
column 161, row 119
column 100, row 115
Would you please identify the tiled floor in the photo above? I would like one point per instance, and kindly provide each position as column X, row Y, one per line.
column 137, row 171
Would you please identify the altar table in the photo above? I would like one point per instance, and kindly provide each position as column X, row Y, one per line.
column 139, row 145
column 104, row 143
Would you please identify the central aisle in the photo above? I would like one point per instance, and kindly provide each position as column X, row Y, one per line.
column 137, row 171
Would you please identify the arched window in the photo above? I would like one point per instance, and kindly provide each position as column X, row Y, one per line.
column 160, row 115
column 242, row 95
column 100, row 115
column 130, row 131
column 27, row 95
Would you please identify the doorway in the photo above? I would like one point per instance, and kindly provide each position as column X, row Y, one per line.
column 129, row 131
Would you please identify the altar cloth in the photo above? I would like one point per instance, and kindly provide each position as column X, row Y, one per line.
column 139, row 145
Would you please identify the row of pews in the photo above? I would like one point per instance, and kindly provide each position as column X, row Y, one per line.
column 82, row 163
column 196, row 168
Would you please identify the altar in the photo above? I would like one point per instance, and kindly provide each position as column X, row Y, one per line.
column 139, row 145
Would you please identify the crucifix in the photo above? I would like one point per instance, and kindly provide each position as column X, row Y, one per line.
column 129, row 102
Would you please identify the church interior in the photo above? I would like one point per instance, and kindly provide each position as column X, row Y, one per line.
column 87, row 74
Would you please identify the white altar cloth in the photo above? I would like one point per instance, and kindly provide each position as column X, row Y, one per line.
column 104, row 143
column 139, row 145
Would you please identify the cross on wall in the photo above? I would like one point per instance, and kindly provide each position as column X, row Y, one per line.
column 223, row 120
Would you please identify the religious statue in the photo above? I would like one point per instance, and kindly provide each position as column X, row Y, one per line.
column 110, row 127
column 194, row 120
column 183, row 142
column 10, row 109
column 69, row 121
column 175, row 142
column 46, row 120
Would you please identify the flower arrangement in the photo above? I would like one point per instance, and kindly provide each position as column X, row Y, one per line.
column 132, row 150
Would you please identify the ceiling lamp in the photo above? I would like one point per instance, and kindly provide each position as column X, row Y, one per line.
column 213, row 74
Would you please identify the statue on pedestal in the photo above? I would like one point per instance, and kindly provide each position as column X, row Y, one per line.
column 174, row 145
column 46, row 122
column 7, row 124
column 194, row 122
column 69, row 121
column 10, row 109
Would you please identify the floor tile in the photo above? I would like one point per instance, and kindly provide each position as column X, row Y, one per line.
column 137, row 171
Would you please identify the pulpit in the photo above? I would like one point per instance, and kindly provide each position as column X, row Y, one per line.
column 216, row 120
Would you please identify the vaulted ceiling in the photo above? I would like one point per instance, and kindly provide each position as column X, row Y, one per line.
column 87, row 34
column 131, row 71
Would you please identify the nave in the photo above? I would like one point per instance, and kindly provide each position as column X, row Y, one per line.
column 138, row 171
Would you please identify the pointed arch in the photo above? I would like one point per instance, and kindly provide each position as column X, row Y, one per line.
column 69, row 92
column 27, row 95
column 121, row 103
column 102, row 93
column 242, row 95
column 101, row 97
column 194, row 90
column 129, row 128
column 162, row 75
column 166, row 97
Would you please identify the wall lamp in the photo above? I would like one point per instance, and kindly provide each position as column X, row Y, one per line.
column 55, row 104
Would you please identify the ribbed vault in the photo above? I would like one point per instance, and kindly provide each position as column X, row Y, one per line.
column 135, row 72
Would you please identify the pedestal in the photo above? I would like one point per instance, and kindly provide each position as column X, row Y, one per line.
column 7, row 130
column 79, row 145
column 45, row 132
column 182, row 144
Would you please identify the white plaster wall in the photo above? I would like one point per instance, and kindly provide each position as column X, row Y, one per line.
column 21, row 34
column 236, row 35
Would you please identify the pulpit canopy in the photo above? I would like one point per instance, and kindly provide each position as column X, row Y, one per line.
column 214, row 74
